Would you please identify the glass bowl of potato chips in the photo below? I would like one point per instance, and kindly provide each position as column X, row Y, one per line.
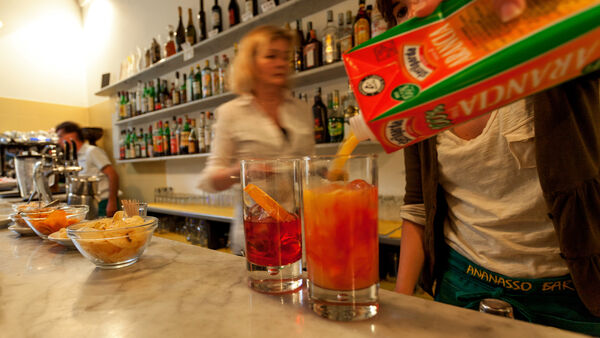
column 113, row 243
column 48, row 220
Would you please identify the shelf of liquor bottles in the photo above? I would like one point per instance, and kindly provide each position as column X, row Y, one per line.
column 322, row 149
column 305, row 78
column 285, row 12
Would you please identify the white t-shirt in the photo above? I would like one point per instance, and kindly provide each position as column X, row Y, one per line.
column 497, row 215
column 92, row 160
column 243, row 130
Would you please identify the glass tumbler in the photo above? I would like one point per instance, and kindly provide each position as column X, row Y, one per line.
column 342, row 247
column 272, row 224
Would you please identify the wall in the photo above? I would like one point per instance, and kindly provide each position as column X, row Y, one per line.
column 26, row 115
column 42, row 59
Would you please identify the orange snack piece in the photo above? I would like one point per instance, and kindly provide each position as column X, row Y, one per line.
column 269, row 204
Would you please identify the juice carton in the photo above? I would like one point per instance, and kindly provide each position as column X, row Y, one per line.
column 429, row 74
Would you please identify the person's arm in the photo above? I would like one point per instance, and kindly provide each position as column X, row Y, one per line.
column 220, row 173
column 113, row 189
column 412, row 257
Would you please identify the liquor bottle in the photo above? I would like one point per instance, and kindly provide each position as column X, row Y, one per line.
column 142, row 144
column 170, row 48
column 350, row 110
column 139, row 92
column 206, row 80
column 362, row 25
column 166, row 139
column 298, row 47
column 346, row 35
column 134, row 146
column 158, row 140
column 234, row 13
column 197, row 83
column 335, row 123
column 193, row 139
column 202, row 22
column 184, row 140
column 169, row 93
column 223, row 74
column 190, row 31
column 167, row 101
column 320, row 118
column 174, row 142
column 190, row 86
column 157, row 100
column 378, row 24
column 312, row 50
column 369, row 11
column 180, row 35
column 132, row 104
column 330, row 52
column 150, row 97
column 175, row 92
column 149, row 142
column 208, row 131
column 127, row 105
column 126, row 144
column 217, row 17
column 178, row 135
column 251, row 7
column 122, row 145
column 216, row 81
column 155, row 51
column 183, row 90
column 121, row 105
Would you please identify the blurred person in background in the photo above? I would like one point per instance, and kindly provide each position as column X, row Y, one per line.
column 93, row 162
column 265, row 121
column 508, row 205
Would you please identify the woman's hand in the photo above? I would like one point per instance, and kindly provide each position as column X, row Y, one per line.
column 506, row 9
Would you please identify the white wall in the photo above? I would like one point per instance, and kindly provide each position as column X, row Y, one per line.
column 42, row 56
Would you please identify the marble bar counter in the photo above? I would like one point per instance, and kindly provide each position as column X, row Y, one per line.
column 179, row 290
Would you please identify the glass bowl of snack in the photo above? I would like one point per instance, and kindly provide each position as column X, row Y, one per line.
column 48, row 220
column 113, row 243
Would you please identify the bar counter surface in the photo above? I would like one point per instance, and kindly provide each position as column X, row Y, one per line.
column 180, row 290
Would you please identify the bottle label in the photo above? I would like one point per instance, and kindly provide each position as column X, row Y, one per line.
column 361, row 31
column 310, row 57
column 346, row 44
column 267, row 6
column 232, row 18
column 206, row 85
column 329, row 49
column 216, row 19
column 336, row 129
column 196, row 88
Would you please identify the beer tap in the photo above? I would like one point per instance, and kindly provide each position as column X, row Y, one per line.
column 50, row 165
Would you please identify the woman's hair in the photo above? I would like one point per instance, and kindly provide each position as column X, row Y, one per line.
column 243, row 71
column 386, row 9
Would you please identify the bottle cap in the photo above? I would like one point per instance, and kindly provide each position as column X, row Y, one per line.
column 496, row 307
column 361, row 130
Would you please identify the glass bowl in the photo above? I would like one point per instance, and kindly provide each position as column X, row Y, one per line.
column 33, row 206
column 46, row 221
column 112, row 248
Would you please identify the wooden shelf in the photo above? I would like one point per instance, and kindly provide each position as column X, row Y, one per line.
column 286, row 12
column 321, row 74
column 163, row 158
column 325, row 148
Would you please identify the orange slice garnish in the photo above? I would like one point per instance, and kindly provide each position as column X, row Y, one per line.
column 268, row 204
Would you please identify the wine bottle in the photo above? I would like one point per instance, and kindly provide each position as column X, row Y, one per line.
column 320, row 118
column 234, row 13
column 217, row 17
column 190, row 31
column 180, row 34
column 298, row 47
column 202, row 22
column 312, row 50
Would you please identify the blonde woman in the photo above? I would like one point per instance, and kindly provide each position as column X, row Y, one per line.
column 264, row 121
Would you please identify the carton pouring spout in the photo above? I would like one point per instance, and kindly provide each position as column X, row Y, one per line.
column 361, row 130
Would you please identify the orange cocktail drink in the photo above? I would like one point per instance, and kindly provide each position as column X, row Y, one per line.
column 340, row 222
column 341, row 235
